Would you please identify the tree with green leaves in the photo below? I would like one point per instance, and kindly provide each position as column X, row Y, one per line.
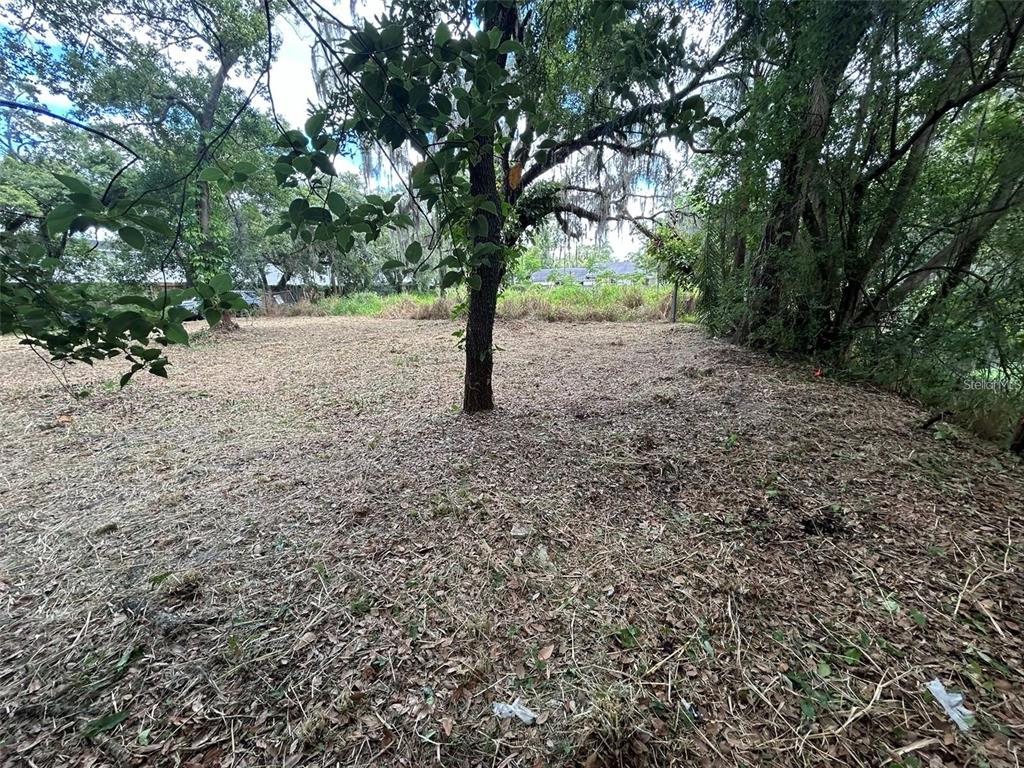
column 871, row 163
column 496, row 99
column 142, row 111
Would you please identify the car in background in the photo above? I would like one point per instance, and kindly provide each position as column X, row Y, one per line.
column 194, row 307
column 253, row 300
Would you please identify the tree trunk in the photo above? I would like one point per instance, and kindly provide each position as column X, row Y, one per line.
column 478, row 394
column 206, row 121
column 1017, row 443
column 840, row 25
column 203, row 201
column 483, row 300
column 959, row 253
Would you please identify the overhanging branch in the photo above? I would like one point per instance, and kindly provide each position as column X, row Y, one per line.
column 593, row 136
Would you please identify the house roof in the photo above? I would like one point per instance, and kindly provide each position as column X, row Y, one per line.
column 618, row 267
column 580, row 274
column 545, row 275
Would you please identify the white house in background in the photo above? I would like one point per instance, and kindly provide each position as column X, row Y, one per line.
column 319, row 279
column 559, row 275
column 622, row 272
column 619, row 271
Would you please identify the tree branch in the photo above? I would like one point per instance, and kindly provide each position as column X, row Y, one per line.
column 561, row 152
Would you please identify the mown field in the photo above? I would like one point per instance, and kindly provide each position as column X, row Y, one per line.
column 296, row 551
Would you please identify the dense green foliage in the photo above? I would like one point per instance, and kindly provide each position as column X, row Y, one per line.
column 866, row 207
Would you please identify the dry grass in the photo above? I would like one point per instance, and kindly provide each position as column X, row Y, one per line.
column 564, row 303
column 297, row 552
column 301, row 308
column 404, row 308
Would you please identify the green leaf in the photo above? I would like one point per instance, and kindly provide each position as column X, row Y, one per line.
column 176, row 333
column 295, row 139
column 824, row 670
column 108, row 722
column 221, row 282
column 391, row 264
column 212, row 316
column 211, row 173
column 122, row 321
column 488, row 205
column 139, row 301
column 81, row 224
column 442, row 34
column 58, row 219
column 511, row 46
column 234, row 301
column 177, row 314
column 392, row 130
column 414, row 252
column 315, row 123
column 324, row 164
column 486, row 249
column 303, row 165
column 694, row 103
column 374, row 83
column 443, row 104
column 282, row 171
column 480, row 226
column 133, row 237
column 73, row 183
column 451, row 278
column 296, row 208
column 473, row 281
column 391, row 37
column 418, row 94
column 337, row 205
column 317, row 214
column 155, row 224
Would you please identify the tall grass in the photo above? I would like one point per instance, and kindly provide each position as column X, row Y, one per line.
column 577, row 303
column 571, row 303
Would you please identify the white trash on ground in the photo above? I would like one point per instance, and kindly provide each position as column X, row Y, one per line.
column 515, row 709
column 953, row 703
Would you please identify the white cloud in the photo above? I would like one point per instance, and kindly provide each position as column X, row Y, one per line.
column 291, row 75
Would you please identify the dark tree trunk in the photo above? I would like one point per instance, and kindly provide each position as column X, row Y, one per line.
column 483, row 299
column 478, row 394
column 1017, row 443
column 203, row 201
column 840, row 25
column 282, row 282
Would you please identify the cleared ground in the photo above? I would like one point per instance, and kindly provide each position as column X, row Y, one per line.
column 297, row 552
